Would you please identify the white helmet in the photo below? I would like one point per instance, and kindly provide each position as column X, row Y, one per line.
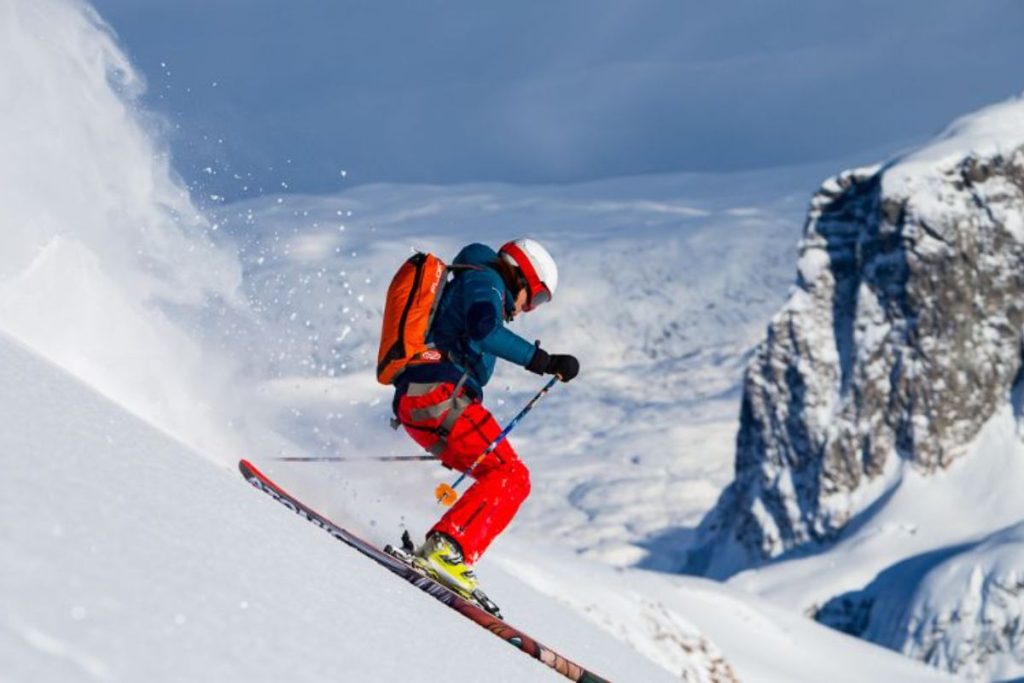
column 537, row 267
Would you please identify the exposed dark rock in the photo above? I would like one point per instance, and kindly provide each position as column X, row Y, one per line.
column 900, row 339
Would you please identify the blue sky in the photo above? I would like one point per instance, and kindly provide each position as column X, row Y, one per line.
column 553, row 92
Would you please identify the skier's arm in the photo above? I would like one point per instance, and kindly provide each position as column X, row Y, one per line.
column 485, row 325
column 506, row 344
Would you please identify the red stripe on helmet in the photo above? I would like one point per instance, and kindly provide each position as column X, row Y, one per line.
column 533, row 281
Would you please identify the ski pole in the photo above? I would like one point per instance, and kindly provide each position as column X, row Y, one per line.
column 342, row 458
column 445, row 493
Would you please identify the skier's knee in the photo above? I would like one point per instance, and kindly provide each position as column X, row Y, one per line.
column 519, row 479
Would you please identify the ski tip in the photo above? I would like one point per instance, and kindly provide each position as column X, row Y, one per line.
column 247, row 468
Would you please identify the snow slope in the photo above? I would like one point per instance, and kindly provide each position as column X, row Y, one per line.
column 674, row 619
column 129, row 557
column 106, row 266
column 964, row 613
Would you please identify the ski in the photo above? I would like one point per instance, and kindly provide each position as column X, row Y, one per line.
column 467, row 608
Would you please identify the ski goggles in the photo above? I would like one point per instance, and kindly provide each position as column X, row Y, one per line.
column 536, row 296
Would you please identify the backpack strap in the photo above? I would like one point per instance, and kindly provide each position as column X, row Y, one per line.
column 454, row 268
column 454, row 406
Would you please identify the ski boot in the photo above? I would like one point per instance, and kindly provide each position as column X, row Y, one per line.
column 440, row 558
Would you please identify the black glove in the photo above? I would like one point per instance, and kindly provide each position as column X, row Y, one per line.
column 563, row 365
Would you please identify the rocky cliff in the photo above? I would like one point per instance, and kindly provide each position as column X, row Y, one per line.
column 900, row 338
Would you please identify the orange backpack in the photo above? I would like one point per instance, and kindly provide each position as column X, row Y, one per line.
column 412, row 300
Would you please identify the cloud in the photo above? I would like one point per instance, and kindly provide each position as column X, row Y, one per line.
column 554, row 92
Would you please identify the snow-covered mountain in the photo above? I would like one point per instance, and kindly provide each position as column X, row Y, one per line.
column 901, row 339
column 896, row 356
column 876, row 580
column 956, row 608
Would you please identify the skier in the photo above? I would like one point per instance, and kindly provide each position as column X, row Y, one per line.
column 440, row 403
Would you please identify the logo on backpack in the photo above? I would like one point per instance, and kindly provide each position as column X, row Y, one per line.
column 431, row 356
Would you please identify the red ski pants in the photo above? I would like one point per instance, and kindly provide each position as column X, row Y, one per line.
column 502, row 481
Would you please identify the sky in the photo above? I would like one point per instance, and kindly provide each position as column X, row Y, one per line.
column 325, row 94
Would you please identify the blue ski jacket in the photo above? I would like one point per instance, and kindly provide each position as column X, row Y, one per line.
column 469, row 326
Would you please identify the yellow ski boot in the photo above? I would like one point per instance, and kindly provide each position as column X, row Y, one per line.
column 441, row 558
